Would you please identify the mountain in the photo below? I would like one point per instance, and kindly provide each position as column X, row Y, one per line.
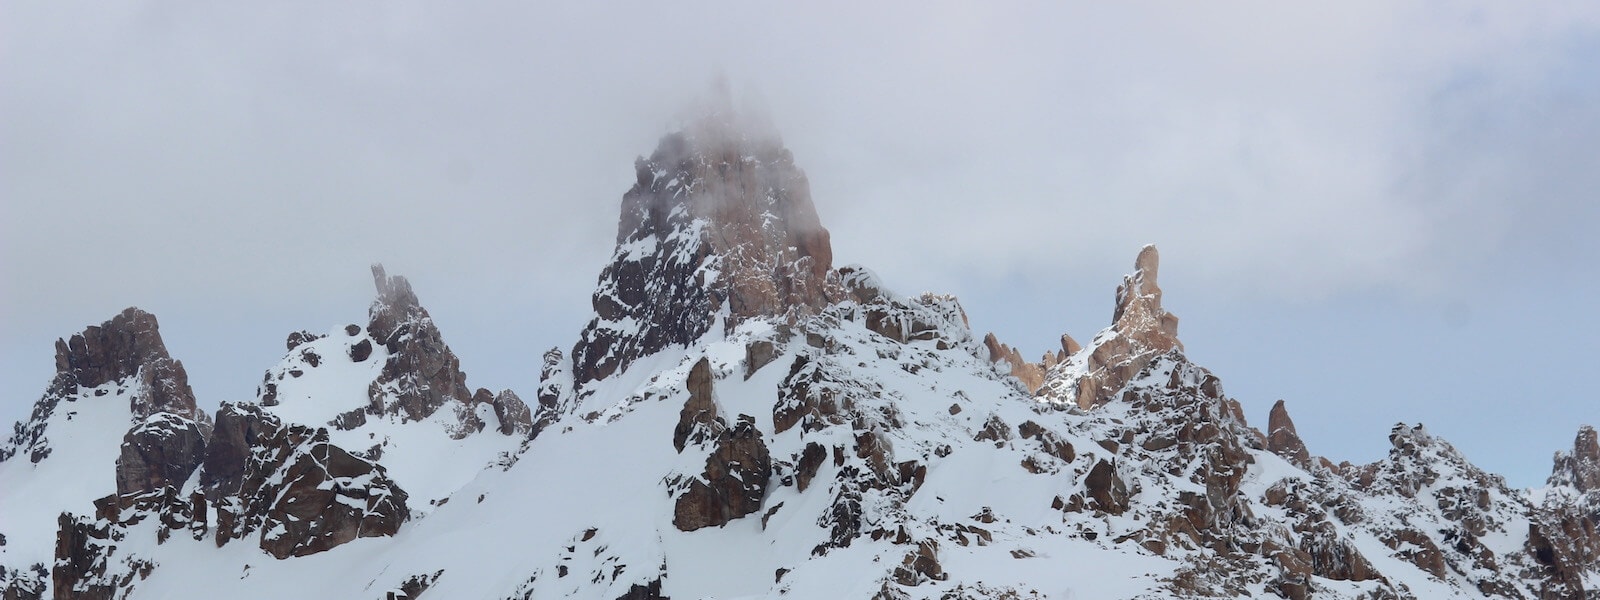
column 740, row 419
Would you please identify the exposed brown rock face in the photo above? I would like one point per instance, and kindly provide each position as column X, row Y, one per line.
column 513, row 414
column 733, row 484
column 735, row 478
column 1140, row 331
column 129, row 345
column 160, row 452
column 239, row 430
column 698, row 419
column 1564, row 535
column 421, row 373
column 555, row 390
column 808, row 397
column 303, row 494
column 126, row 348
column 718, row 218
column 1106, row 488
column 1282, row 439
column 1580, row 468
column 1564, row 543
column 83, row 550
column 1031, row 374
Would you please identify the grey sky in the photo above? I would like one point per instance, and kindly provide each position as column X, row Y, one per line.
column 1377, row 211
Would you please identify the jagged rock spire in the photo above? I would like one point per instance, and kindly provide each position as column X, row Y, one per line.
column 1139, row 315
column 719, row 219
column 1031, row 374
column 1140, row 331
column 1283, row 440
column 421, row 373
column 1579, row 468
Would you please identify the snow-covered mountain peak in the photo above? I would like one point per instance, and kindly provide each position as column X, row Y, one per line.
column 719, row 226
column 129, row 346
column 119, row 416
column 394, row 390
column 742, row 420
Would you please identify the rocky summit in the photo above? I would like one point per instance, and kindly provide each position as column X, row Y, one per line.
column 742, row 418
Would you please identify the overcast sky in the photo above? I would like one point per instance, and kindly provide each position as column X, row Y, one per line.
column 1379, row 212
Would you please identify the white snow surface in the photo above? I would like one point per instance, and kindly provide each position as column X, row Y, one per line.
column 586, row 509
column 85, row 434
column 421, row 456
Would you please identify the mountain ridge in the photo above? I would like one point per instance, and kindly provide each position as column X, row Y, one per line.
column 742, row 419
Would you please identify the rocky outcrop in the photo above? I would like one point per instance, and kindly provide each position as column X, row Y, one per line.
column 85, row 566
column 160, row 452
column 1140, row 331
column 421, row 373
column 1564, row 534
column 513, row 414
column 555, row 390
column 733, row 484
column 1031, row 374
column 698, row 420
column 1106, row 488
column 302, row 494
column 719, row 218
column 1282, row 439
column 809, row 397
column 1580, row 468
column 126, row 350
column 129, row 345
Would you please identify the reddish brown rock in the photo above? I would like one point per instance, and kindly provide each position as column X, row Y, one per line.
column 734, row 482
column 1140, row 331
column 808, row 397
column 698, row 419
column 1419, row 549
column 920, row 565
column 719, row 217
column 810, row 460
column 1052, row 443
column 288, row 484
column 126, row 346
column 1564, row 543
column 1030, row 374
column 82, row 549
column 127, row 349
column 1282, row 439
column 1106, row 488
column 994, row 430
column 1580, row 468
column 161, row 451
column 421, row 373
column 1069, row 347
column 758, row 354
